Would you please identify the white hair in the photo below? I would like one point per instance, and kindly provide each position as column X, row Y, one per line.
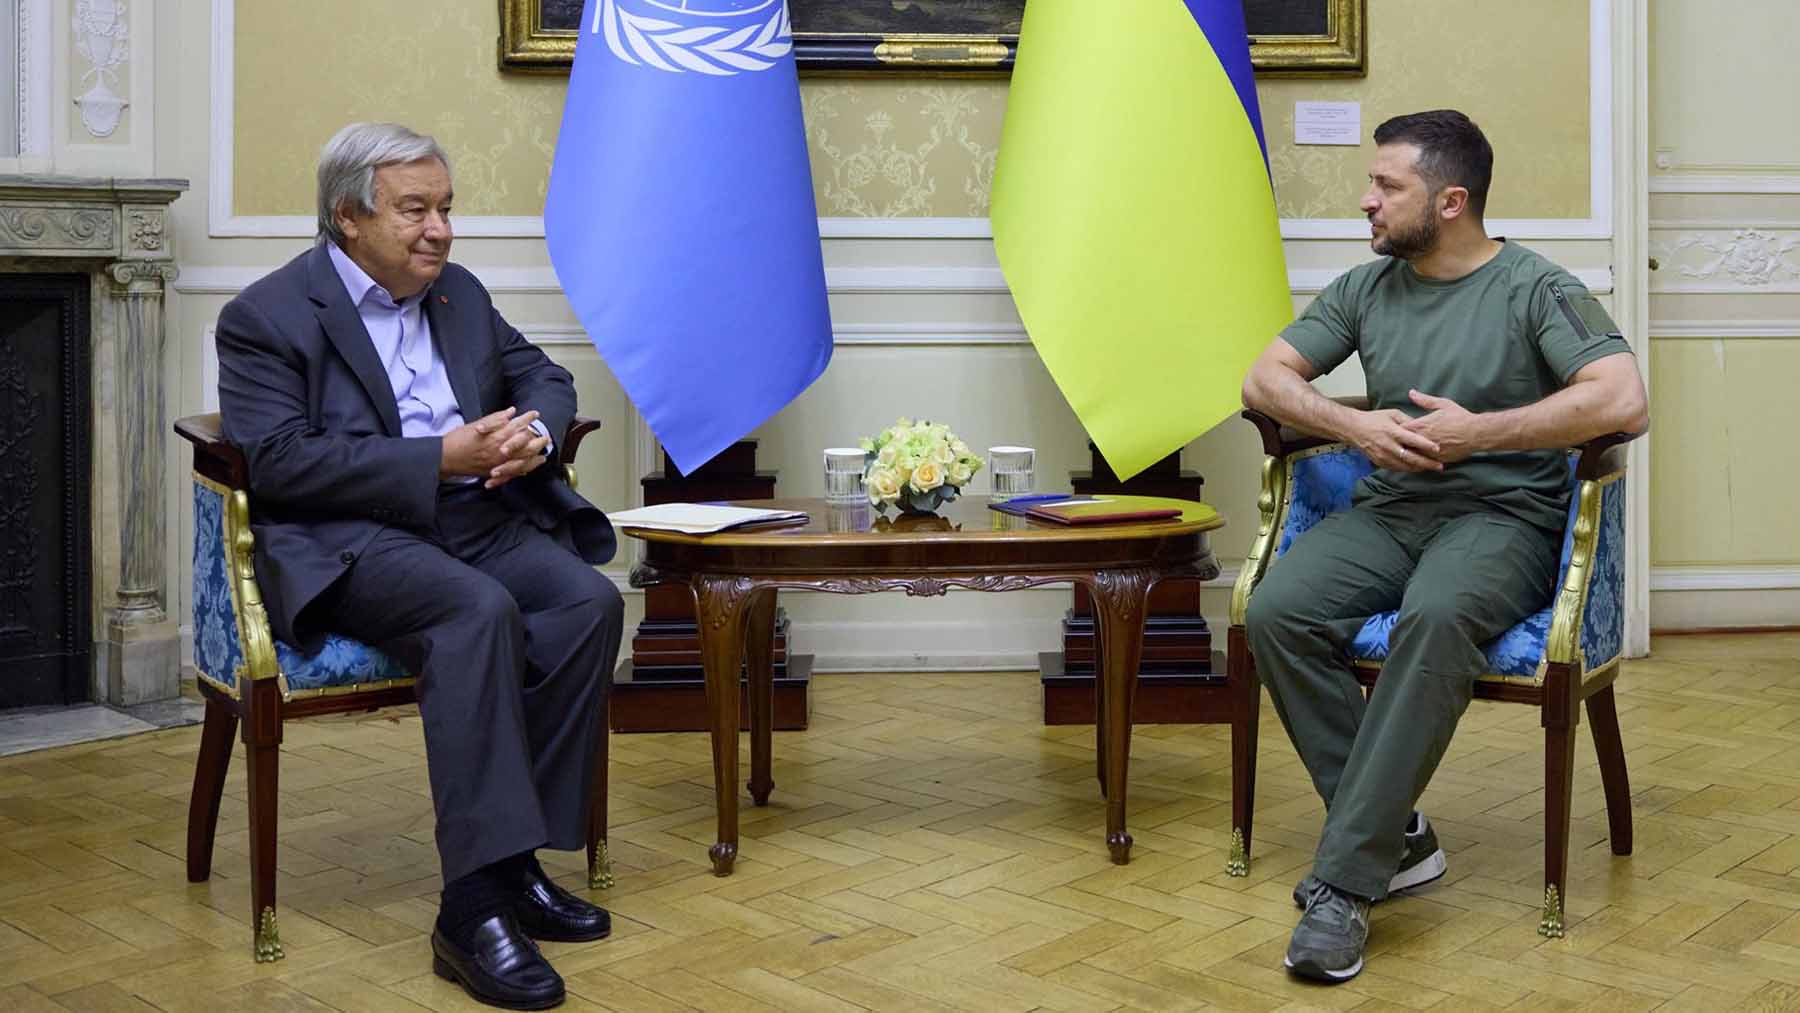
column 347, row 167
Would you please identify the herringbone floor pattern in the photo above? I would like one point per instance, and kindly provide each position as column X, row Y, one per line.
column 931, row 846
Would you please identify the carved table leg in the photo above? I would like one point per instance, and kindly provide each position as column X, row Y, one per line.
column 722, row 605
column 759, row 636
column 1119, row 597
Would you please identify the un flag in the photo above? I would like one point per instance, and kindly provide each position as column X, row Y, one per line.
column 680, row 217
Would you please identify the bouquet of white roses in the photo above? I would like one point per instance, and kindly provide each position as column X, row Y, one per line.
column 918, row 465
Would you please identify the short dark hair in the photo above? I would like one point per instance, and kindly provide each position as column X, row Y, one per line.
column 1452, row 151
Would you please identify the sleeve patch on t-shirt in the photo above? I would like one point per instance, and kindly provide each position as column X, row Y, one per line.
column 1585, row 313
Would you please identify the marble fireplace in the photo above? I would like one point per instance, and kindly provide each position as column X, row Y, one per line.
column 114, row 232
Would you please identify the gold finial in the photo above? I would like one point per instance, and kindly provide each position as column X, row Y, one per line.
column 1551, row 927
column 268, row 941
column 600, row 869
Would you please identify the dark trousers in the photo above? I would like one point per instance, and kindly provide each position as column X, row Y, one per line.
column 513, row 638
column 1460, row 575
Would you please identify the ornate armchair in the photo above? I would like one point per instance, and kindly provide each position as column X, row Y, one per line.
column 247, row 675
column 1555, row 659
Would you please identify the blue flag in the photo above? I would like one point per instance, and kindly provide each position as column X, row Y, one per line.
column 680, row 217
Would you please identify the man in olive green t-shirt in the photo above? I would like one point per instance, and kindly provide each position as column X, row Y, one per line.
column 1484, row 361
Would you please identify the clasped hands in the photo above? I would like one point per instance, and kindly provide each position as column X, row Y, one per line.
column 1445, row 434
column 498, row 447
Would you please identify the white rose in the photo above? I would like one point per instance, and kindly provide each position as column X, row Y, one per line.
column 960, row 475
column 888, row 455
column 961, row 448
column 883, row 486
column 928, row 476
column 943, row 455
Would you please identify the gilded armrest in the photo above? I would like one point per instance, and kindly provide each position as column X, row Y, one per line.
column 1271, row 505
column 1588, row 622
column 220, row 470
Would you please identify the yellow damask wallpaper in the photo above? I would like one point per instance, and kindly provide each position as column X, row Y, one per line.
column 889, row 147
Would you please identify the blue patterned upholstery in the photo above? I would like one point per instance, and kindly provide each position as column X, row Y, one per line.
column 340, row 662
column 1603, row 622
column 219, row 654
column 1321, row 484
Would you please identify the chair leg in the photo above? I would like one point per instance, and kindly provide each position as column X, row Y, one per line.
column 1560, row 714
column 599, row 863
column 1246, row 708
column 209, row 787
column 262, row 767
column 1603, row 719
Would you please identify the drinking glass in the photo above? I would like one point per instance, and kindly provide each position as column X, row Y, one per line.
column 844, row 474
column 1012, row 471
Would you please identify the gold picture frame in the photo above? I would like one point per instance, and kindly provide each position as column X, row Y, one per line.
column 538, row 36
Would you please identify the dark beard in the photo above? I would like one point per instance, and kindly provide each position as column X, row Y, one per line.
column 1409, row 243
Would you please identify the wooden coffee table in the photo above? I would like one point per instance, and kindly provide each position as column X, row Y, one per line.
column 852, row 550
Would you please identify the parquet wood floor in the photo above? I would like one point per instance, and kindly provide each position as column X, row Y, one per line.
column 930, row 846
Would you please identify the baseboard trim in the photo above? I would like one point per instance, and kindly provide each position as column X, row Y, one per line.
column 1684, row 598
column 1724, row 578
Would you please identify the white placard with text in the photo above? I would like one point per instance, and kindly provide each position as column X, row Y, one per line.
column 1328, row 123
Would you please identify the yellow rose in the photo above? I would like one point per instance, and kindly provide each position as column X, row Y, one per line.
column 883, row 486
column 928, row 476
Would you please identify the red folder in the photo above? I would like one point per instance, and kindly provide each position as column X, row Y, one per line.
column 1100, row 512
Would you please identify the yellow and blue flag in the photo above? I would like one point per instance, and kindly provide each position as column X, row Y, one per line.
column 1134, row 217
column 680, row 217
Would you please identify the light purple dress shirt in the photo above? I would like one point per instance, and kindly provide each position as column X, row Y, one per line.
column 401, row 333
column 402, row 337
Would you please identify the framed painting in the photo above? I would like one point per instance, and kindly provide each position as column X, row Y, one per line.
column 1288, row 38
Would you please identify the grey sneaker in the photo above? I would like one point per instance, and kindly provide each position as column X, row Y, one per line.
column 1422, row 862
column 1327, row 945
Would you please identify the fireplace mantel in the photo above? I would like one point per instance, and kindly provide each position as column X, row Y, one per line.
column 116, row 232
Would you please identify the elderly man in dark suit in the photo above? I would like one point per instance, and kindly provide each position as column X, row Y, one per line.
column 396, row 429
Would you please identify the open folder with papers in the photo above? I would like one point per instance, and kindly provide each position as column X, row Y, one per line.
column 702, row 518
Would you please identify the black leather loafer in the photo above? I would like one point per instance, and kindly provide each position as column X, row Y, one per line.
column 504, row 969
column 547, row 911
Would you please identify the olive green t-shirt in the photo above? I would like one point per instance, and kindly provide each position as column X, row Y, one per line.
column 1509, row 333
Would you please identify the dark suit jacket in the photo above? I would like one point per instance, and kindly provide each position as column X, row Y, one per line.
column 303, row 392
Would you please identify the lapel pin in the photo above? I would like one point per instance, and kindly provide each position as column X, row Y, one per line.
column 444, row 299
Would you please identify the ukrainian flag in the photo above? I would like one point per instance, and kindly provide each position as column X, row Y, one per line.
column 1134, row 218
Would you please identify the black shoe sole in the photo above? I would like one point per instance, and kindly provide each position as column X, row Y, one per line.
column 566, row 937
column 442, row 969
